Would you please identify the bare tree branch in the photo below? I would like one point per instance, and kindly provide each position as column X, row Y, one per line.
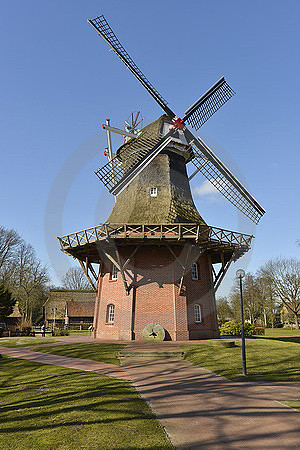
column 75, row 279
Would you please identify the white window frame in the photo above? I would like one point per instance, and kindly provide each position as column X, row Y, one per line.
column 195, row 275
column 153, row 192
column 197, row 313
column 110, row 313
column 114, row 273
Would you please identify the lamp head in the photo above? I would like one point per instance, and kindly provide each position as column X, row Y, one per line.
column 240, row 273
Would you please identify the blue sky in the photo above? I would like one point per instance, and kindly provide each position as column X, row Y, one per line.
column 59, row 82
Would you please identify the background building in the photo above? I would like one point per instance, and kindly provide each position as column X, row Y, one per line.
column 74, row 309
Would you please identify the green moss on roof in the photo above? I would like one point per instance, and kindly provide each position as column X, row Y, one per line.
column 151, row 132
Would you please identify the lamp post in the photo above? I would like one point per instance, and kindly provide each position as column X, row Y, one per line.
column 240, row 275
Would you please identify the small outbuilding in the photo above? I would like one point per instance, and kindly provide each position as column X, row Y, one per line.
column 13, row 321
column 70, row 308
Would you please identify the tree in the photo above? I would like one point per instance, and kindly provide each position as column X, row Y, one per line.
column 6, row 302
column 224, row 310
column 9, row 243
column 266, row 299
column 251, row 298
column 75, row 279
column 22, row 274
column 27, row 281
column 284, row 276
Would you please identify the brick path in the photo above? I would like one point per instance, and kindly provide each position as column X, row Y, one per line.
column 63, row 361
column 202, row 410
column 199, row 409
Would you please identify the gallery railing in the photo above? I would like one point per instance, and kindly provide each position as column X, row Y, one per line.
column 181, row 231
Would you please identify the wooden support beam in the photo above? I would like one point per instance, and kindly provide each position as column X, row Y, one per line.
column 113, row 260
column 177, row 259
column 214, row 272
column 217, row 276
column 222, row 272
column 122, row 272
column 87, row 275
column 122, row 267
column 130, row 257
column 91, row 268
column 117, row 263
column 222, row 259
column 184, row 269
column 187, row 263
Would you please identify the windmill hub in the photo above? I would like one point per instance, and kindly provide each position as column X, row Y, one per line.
column 178, row 123
column 159, row 262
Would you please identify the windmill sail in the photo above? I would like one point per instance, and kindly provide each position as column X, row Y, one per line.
column 104, row 29
column 128, row 166
column 222, row 179
column 208, row 104
column 199, row 112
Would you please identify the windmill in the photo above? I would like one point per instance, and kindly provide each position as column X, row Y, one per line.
column 155, row 243
column 204, row 159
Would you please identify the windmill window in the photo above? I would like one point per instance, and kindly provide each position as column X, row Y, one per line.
column 195, row 272
column 197, row 312
column 114, row 272
column 110, row 315
column 153, row 192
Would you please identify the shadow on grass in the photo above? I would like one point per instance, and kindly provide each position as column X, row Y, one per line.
column 294, row 339
column 266, row 360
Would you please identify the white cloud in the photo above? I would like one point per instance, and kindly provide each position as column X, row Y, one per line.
column 206, row 189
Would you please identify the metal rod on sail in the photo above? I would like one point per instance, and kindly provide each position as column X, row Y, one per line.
column 110, row 153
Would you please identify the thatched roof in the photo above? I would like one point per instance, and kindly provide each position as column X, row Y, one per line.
column 166, row 172
column 80, row 308
column 60, row 299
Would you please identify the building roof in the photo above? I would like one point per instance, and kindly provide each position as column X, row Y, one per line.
column 64, row 295
column 76, row 303
column 80, row 308
column 149, row 136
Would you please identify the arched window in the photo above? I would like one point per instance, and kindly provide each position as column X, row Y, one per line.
column 197, row 312
column 194, row 271
column 110, row 315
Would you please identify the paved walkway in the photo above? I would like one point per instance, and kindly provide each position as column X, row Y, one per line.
column 201, row 410
column 197, row 408
column 63, row 361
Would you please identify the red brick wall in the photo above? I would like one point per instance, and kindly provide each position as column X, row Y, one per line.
column 201, row 292
column 155, row 275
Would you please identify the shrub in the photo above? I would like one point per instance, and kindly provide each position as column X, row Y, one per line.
column 259, row 331
column 26, row 330
column 233, row 328
column 60, row 332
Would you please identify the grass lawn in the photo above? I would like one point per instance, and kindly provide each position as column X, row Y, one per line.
column 273, row 360
column 49, row 407
column 270, row 332
column 22, row 342
column 293, row 404
column 107, row 353
column 79, row 333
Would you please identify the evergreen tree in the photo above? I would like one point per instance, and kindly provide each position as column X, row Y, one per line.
column 6, row 303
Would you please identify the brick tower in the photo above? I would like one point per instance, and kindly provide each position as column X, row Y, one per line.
column 159, row 262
